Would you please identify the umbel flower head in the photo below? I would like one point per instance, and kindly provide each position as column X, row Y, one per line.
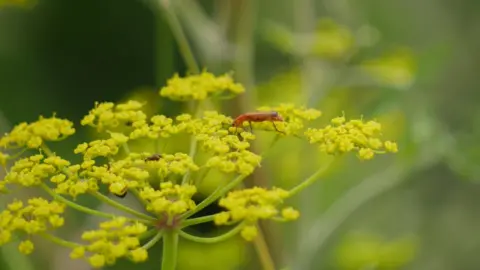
column 355, row 135
column 32, row 135
column 114, row 239
column 163, row 179
column 35, row 216
column 250, row 205
column 201, row 86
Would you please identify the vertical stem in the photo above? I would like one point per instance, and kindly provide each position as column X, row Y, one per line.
column 263, row 252
column 170, row 246
column 164, row 51
column 180, row 37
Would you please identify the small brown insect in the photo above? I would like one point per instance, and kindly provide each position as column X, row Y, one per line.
column 154, row 157
column 258, row 117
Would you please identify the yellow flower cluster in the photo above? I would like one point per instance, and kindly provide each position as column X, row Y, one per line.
column 32, row 135
column 108, row 116
column 241, row 162
column 37, row 216
column 170, row 200
column 253, row 204
column 332, row 40
column 114, row 239
column 294, row 118
column 97, row 148
column 33, row 170
column 354, row 135
column 179, row 164
column 201, row 86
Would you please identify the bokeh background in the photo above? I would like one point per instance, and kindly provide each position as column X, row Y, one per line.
column 412, row 65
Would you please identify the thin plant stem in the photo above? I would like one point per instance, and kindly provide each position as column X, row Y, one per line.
column 170, row 248
column 122, row 207
column 153, row 241
column 180, row 37
column 195, row 221
column 310, row 180
column 73, row 205
column 59, row 241
column 212, row 240
column 214, row 196
column 324, row 226
column 263, row 251
column 193, row 143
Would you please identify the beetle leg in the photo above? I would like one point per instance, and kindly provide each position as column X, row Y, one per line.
column 274, row 126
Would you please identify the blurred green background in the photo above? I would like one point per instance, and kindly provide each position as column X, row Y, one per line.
column 412, row 65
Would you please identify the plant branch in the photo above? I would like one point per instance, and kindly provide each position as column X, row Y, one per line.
column 263, row 251
column 105, row 199
column 195, row 221
column 180, row 37
column 215, row 195
column 310, row 180
column 212, row 240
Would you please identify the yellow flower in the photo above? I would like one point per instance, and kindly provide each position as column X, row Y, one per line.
column 251, row 205
column 170, row 199
column 30, row 171
column 98, row 148
column 108, row 116
column 354, row 135
column 26, row 247
column 114, row 239
column 36, row 216
column 32, row 135
column 201, row 86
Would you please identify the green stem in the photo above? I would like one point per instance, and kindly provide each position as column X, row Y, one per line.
column 75, row 205
column 195, row 221
column 153, row 241
column 181, row 38
column 170, row 247
column 263, row 251
column 212, row 240
column 59, row 241
column 122, row 207
column 314, row 239
column 193, row 142
column 310, row 180
column 215, row 195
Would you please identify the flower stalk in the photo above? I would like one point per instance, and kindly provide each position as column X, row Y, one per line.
column 170, row 247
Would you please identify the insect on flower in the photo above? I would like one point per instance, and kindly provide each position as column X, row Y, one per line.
column 258, row 117
column 154, row 157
